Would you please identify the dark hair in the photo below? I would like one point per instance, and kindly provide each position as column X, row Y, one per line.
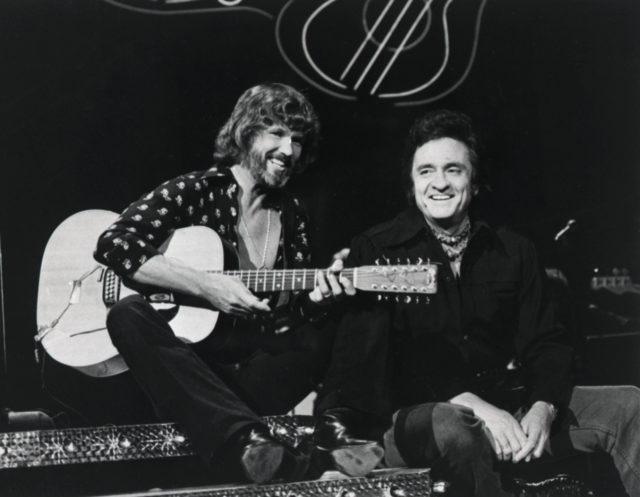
column 441, row 124
column 258, row 108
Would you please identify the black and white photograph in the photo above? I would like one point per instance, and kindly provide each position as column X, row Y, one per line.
column 320, row 248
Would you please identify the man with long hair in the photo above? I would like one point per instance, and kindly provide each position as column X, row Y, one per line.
column 218, row 389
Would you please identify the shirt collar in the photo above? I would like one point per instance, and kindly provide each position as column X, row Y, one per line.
column 411, row 223
column 218, row 172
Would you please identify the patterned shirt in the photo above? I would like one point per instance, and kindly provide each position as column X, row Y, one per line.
column 205, row 198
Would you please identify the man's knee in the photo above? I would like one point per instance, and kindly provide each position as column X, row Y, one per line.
column 627, row 404
column 428, row 432
column 608, row 402
column 124, row 316
column 458, row 432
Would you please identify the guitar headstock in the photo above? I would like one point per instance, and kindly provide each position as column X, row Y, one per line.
column 416, row 279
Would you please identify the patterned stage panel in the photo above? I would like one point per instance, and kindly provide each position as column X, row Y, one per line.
column 119, row 443
column 382, row 483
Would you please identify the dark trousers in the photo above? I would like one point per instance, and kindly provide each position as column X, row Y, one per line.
column 452, row 440
column 198, row 387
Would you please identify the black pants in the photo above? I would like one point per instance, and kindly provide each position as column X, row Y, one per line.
column 197, row 387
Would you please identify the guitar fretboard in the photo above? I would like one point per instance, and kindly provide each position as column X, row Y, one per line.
column 276, row 280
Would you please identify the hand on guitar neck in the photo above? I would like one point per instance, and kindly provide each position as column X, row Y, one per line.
column 334, row 284
column 227, row 293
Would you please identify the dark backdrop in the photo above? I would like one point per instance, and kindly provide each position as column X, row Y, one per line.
column 100, row 104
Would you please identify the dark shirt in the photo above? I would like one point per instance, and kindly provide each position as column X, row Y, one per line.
column 496, row 311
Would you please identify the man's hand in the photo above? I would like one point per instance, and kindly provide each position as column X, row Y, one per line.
column 227, row 294
column 331, row 287
column 536, row 424
column 506, row 435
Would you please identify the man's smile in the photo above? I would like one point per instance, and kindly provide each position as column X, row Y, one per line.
column 440, row 196
column 279, row 161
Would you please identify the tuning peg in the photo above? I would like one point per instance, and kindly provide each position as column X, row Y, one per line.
column 377, row 261
column 386, row 259
column 407, row 299
column 420, row 261
column 379, row 298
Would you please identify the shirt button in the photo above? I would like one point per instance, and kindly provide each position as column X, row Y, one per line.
column 236, row 366
column 465, row 338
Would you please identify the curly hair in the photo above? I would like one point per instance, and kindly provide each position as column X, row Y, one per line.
column 437, row 124
column 257, row 109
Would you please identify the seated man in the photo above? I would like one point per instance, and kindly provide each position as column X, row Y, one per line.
column 433, row 374
column 218, row 389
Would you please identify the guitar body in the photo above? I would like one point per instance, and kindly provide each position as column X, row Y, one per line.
column 72, row 308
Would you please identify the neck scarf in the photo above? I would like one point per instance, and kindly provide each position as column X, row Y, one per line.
column 453, row 245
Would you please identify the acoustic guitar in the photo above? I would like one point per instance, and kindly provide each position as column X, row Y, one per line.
column 75, row 292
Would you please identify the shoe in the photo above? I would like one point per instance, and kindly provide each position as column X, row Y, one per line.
column 337, row 448
column 558, row 486
column 264, row 459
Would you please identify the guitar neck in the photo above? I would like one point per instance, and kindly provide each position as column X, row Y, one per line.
column 277, row 280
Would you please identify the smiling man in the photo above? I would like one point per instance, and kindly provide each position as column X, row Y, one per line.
column 428, row 380
column 248, row 367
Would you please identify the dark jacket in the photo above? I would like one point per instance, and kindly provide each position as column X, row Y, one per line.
column 393, row 354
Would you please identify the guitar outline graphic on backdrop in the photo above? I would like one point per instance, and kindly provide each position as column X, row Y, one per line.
column 348, row 83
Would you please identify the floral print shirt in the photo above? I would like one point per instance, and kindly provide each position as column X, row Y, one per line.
column 206, row 198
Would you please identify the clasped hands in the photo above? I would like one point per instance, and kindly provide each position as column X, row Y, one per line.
column 512, row 440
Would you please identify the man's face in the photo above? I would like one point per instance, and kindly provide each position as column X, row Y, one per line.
column 274, row 155
column 441, row 174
